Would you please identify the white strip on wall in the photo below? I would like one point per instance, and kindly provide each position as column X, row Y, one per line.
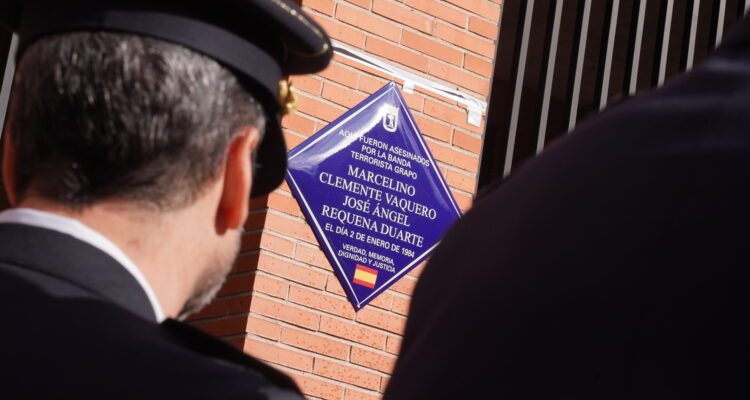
column 474, row 106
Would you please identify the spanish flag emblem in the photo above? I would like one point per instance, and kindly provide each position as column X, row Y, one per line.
column 365, row 276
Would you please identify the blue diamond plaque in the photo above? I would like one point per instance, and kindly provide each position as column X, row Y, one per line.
column 372, row 193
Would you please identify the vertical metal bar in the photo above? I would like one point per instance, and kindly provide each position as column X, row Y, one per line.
column 664, row 55
column 579, row 65
column 627, row 65
column 693, row 29
column 518, row 90
column 608, row 55
column 637, row 47
column 541, row 137
column 720, row 21
column 747, row 5
column 10, row 68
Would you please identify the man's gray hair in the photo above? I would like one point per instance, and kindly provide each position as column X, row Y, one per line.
column 99, row 115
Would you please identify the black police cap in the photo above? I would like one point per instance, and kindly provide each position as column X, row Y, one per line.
column 262, row 41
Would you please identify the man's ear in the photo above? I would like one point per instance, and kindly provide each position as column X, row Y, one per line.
column 238, row 180
column 9, row 168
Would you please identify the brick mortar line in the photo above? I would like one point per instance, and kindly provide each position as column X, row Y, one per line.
column 337, row 297
column 323, row 335
column 294, row 133
column 455, row 104
column 473, row 134
column 283, row 236
column 247, row 313
column 496, row 5
column 219, row 318
column 248, row 253
column 456, row 189
column 253, row 292
column 285, row 192
column 280, row 213
column 401, row 295
column 374, row 350
column 345, row 66
column 252, row 232
column 454, row 126
column 416, row 31
column 311, row 117
column 346, row 363
column 292, row 260
column 464, row 192
column 322, row 100
column 290, row 281
column 406, row 68
column 452, row 146
column 342, row 86
column 462, row 172
column 457, row 169
column 369, row 13
column 297, row 134
column 241, row 274
column 426, row 75
column 343, row 385
column 449, row 5
column 299, row 263
column 304, row 264
column 257, row 211
column 457, row 8
column 484, row 58
column 332, row 316
column 467, row 131
column 275, row 277
column 234, row 296
column 367, row 391
column 245, row 293
column 230, row 337
column 468, row 71
column 446, row 42
column 327, row 314
column 328, row 293
column 453, row 46
column 408, row 8
column 439, row 39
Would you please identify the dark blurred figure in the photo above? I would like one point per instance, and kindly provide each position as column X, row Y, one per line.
column 136, row 134
column 615, row 265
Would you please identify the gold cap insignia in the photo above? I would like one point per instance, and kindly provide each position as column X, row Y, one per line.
column 287, row 97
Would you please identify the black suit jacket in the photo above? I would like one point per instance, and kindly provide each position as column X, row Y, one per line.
column 75, row 324
column 616, row 265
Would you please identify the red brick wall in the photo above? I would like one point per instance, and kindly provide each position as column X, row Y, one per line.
column 283, row 303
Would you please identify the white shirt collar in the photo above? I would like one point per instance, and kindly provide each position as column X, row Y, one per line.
column 72, row 227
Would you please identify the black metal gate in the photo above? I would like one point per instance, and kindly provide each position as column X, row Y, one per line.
column 559, row 61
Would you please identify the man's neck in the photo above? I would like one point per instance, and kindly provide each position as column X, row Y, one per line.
column 164, row 246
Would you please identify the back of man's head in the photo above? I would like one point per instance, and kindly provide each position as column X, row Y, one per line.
column 100, row 116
